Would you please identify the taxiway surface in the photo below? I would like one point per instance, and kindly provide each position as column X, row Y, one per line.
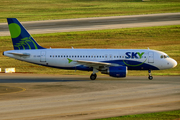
column 99, row 23
column 78, row 98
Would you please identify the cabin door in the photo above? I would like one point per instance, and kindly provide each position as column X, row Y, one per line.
column 151, row 57
column 43, row 56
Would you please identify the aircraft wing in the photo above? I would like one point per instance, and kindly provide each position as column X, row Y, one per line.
column 20, row 54
column 93, row 63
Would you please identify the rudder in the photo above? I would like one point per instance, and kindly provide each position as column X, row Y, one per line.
column 21, row 39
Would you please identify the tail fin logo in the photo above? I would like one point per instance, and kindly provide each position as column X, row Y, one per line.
column 21, row 39
column 25, row 43
column 15, row 30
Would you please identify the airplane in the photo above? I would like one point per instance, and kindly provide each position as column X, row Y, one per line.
column 114, row 62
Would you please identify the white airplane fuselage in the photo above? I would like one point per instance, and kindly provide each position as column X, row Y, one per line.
column 58, row 58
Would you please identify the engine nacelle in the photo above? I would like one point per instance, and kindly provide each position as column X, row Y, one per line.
column 119, row 71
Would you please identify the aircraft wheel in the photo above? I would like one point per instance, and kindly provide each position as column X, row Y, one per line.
column 93, row 76
column 150, row 77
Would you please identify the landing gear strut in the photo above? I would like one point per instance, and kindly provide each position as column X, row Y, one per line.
column 93, row 76
column 150, row 76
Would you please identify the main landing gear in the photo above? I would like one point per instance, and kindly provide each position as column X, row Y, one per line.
column 94, row 75
column 150, row 76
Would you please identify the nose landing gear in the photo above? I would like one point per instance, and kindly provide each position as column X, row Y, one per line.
column 150, row 76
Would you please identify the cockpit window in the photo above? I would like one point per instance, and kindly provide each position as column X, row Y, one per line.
column 164, row 56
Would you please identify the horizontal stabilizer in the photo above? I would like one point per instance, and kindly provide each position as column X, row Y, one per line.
column 20, row 54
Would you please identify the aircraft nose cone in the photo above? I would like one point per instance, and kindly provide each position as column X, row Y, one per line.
column 174, row 63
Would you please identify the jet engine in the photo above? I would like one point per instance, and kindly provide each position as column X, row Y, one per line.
column 117, row 71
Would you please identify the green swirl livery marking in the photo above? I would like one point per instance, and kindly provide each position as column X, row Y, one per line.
column 26, row 41
column 15, row 30
column 134, row 65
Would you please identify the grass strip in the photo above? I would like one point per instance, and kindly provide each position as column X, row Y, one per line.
column 30, row 10
column 168, row 115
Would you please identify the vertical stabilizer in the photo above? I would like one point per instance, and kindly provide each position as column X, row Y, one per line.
column 21, row 39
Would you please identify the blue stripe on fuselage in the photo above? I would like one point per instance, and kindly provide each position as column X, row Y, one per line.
column 144, row 66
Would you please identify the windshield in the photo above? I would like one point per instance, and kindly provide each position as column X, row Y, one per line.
column 164, row 56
